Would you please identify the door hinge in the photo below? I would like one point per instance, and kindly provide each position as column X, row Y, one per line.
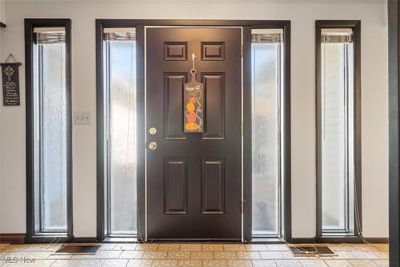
column 242, row 206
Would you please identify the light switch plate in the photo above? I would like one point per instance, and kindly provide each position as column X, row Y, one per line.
column 82, row 118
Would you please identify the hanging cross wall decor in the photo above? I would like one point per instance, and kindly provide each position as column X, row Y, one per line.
column 10, row 77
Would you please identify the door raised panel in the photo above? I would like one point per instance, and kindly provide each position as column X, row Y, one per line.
column 213, row 51
column 213, row 186
column 214, row 105
column 175, row 186
column 173, row 105
column 175, row 51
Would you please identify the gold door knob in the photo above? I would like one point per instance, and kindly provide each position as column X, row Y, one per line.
column 152, row 146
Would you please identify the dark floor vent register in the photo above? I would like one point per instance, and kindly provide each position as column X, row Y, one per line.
column 311, row 251
column 78, row 249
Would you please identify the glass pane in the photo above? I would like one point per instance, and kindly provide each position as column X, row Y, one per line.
column 334, row 184
column 122, row 157
column 336, row 128
column 266, row 77
column 52, row 129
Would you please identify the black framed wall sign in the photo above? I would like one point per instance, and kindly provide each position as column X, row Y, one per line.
column 10, row 76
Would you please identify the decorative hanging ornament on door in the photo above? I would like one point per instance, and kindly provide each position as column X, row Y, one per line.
column 193, row 103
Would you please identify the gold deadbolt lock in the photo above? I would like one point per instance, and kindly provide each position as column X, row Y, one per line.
column 152, row 131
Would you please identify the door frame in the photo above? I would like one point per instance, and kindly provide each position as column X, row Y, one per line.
column 31, row 235
column 247, row 26
column 394, row 179
column 355, row 25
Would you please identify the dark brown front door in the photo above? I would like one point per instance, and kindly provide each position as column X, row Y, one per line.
column 193, row 179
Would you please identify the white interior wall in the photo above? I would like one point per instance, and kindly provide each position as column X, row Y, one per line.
column 301, row 13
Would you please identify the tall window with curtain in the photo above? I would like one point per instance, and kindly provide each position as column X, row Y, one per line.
column 120, row 132
column 266, row 58
column 337, row 190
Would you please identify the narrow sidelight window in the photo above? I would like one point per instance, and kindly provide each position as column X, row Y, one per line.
column 266, row 56
column 49, row 129
column 337, row 145
column 119, row 53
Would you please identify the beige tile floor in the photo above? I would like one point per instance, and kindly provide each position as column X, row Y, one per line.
column 235, row 255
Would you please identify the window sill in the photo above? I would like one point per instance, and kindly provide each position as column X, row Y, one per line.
column 120, row 240
column 267, row 240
